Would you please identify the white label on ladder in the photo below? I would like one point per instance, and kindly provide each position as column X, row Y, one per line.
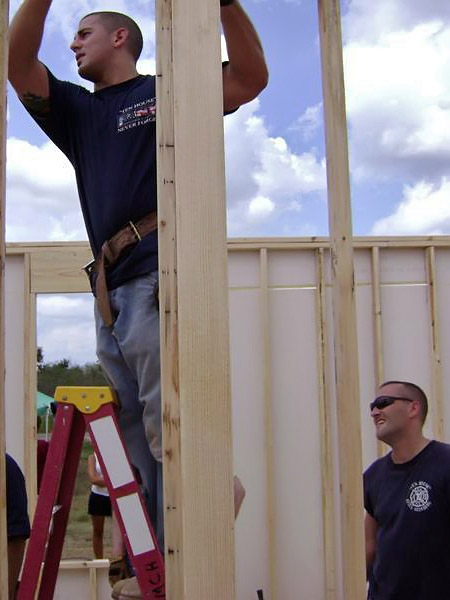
column 111, row 448
column 135, row 523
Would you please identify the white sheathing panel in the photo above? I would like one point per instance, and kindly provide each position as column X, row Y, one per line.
column 247, row 381
column 406, row 336
column 364, row 315
column 291, row 269
column 243, row 269
column 14, row 357
column 298, row 523
column 402, row 266
column 293, row 379
column 87, row 580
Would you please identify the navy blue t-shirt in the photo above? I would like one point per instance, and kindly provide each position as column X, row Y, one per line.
column 411, row 504
column 18, row 524
column 109, row 136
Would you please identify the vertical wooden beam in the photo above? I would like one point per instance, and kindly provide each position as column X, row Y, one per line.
column 30, row 387
column 344, row 305
column 436, row 367
column 326, row 451
column 4, row 9
column 377, row 330
column 270, row 469
column 168, row 295
column 194, row 303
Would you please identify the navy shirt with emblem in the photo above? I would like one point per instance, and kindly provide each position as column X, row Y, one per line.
column 18, row 524
column 109, row 136
column 411, row 504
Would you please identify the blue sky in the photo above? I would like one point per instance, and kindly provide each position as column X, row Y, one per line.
column 397, row 68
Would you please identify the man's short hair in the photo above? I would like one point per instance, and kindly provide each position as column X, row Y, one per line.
column 115, row 20
column 414, row 392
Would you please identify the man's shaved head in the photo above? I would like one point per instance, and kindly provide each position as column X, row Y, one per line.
column 414, row 392
column 115, row 20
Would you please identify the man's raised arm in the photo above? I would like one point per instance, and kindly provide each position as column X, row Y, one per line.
column 246, row 75
column 27, row 75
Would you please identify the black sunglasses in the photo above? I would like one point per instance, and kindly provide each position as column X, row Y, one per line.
column 382, row 401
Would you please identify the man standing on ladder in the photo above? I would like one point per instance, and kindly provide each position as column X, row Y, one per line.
column 109, row 136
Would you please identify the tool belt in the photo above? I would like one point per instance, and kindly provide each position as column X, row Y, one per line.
column 110, row 253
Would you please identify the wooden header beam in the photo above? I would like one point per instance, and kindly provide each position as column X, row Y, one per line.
column 4, row 10
column 197, row 443
column 344, row 305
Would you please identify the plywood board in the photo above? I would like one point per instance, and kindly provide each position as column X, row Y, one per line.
column 247, row 369
column 292, row 269
column 296, row 443
column 401, row 265
column 406, row 336
column 243, row 269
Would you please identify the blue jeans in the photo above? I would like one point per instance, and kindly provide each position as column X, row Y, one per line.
column 129, row 355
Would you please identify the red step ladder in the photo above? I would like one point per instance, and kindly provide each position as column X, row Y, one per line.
column 92, row 409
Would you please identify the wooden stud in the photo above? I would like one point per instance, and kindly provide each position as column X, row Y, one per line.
column 93, row 582
column 268, row 422
column 344, row 303
column 326, row 451
column 30, row 387
column 377, row 330
column 168, row 298
column 4, row 11
column 194, row 306
column 437, row 396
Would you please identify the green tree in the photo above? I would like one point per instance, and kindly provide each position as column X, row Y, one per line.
column 51, row 375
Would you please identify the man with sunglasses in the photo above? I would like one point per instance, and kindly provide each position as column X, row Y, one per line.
column 407, row 501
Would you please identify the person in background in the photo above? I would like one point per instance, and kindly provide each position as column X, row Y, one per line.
column 18, row 523
column 407, row 501
column 99, row 507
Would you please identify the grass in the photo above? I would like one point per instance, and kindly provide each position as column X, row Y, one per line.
column 78, row 541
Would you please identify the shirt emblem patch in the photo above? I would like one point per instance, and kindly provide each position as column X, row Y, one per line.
column 419, row 498
column 140, row 113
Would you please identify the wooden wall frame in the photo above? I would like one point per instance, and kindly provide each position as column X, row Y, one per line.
column 199, row 558
column 55, row 268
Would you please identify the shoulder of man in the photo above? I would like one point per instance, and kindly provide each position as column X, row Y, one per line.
column 377, row 465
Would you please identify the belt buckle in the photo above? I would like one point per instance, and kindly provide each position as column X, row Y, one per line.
column 133, row 228
column 88, row 268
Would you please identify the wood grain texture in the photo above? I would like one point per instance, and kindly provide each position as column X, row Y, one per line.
column 326, row 442
column 437, row 396
column 344, row 303
column 194, row 303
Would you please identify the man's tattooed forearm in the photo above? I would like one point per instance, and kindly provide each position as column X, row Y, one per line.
column 36, row 104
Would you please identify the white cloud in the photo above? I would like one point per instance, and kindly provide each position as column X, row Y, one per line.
column 366, row 19
column 260, row 208
column 65, row 327
column 41, row 197
column 398, row 103
column 424, row 209
column 397, row 57
column 264, row 177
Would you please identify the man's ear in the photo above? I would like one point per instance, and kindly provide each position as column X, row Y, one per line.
column 415, row 408
column 120, row 37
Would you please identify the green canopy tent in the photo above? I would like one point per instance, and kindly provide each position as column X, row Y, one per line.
column 42, row 403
